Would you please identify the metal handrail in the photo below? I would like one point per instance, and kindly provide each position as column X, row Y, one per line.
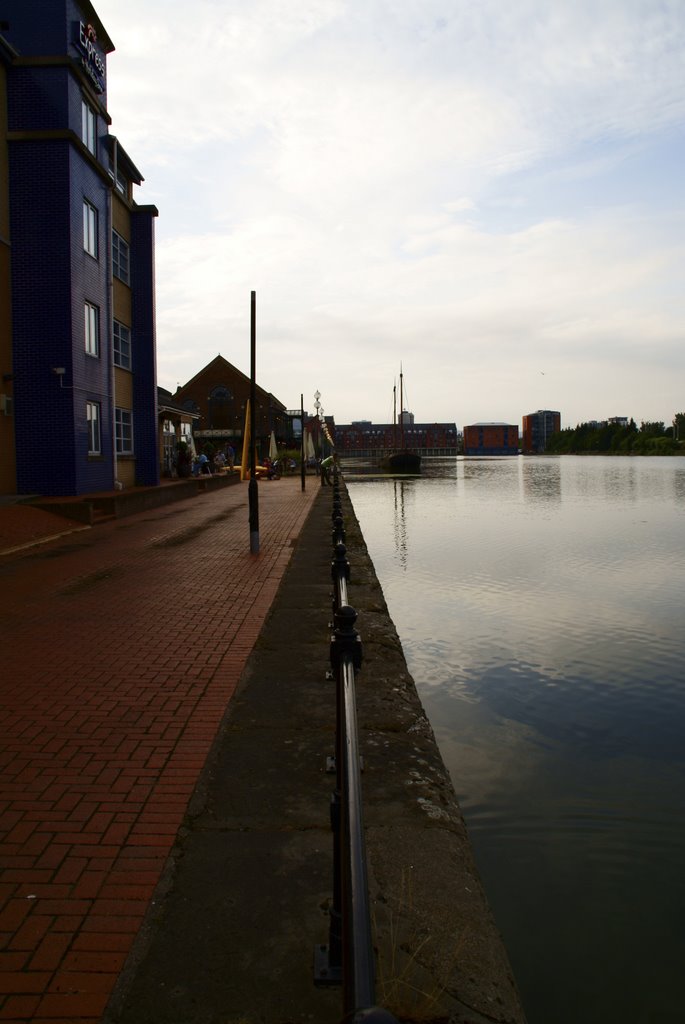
column 350, row 957
column 358, row 967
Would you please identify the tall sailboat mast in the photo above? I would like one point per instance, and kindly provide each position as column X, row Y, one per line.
column 401, row 410
column 400, row 459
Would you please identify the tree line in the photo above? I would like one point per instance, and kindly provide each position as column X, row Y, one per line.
column 650, row 438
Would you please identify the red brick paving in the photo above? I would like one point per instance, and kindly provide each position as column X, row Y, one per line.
column 23, row 525
column 121, row 648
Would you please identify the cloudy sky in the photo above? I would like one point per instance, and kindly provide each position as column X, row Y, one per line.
column 489, row 192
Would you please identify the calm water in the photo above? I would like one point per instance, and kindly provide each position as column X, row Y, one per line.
column 541, row 607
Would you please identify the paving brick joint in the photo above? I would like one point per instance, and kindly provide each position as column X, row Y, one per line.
column 165, row 850
column 122, row 647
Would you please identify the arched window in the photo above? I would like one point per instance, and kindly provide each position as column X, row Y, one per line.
column 220, row 393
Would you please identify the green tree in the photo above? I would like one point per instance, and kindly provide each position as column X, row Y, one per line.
column 652, row 429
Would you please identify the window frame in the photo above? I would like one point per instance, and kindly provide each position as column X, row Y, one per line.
column 123, row 431
column 120, row 181
column 91, row 326
column 94, row 429
column 123, row 359
column 121, row 267
column 90, row 228
column 89, row 127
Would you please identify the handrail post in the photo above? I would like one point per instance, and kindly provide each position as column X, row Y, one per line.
column 357, row 948
column 340, row 572
column 338, row 534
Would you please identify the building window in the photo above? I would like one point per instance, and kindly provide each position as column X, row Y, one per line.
column 90, row 229
column 122, row 346
column 120, row 258
column 123, row 431
column 88, row 124
column 93, row 423
column 121, row 179
column 92, row 329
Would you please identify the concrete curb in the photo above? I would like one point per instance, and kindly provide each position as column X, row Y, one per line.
column 231, row 932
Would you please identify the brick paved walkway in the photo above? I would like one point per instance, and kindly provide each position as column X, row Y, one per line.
column 121, row 647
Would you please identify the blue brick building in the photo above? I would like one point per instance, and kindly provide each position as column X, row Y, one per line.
column 78, row 343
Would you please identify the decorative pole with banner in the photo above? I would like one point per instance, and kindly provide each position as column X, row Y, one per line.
column 252, row 493
column 245, row 458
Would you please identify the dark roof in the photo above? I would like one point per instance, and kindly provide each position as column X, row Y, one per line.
column 90, row 11
column 366, row 425
column 222, row 366
column 220, row 363
column 124, row 160
column 166, row 401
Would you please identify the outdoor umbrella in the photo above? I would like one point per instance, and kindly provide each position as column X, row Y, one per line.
column 309, row 452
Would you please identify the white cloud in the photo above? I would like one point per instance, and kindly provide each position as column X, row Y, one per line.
column 446, row 183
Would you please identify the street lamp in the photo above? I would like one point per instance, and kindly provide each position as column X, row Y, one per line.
column 317, row 406
column 322, row 426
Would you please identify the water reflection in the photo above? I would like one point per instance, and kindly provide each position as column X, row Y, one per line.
column 481, row 474
column 541, row 480
column 620, row 482
column 399, row 523
column 679, row 484
column 549, row 651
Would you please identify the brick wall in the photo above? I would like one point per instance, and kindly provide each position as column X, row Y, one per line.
column 491, row 439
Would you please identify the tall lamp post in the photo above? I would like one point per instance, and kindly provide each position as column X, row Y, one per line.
column 302, row 450
column 252, row 493
column 317, row 406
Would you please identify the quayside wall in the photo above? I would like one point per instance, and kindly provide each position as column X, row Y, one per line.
column 233, row 929
column 440, row 953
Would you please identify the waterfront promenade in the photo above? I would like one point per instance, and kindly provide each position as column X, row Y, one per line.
column 165, row 849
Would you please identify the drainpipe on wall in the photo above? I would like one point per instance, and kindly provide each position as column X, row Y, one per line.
column 110, row 316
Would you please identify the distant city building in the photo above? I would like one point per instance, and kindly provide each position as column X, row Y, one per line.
column 538, row 427
column 78, row 411
column 491, row 439
column 618, row 421
column 366, row 439
column 296, row 422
